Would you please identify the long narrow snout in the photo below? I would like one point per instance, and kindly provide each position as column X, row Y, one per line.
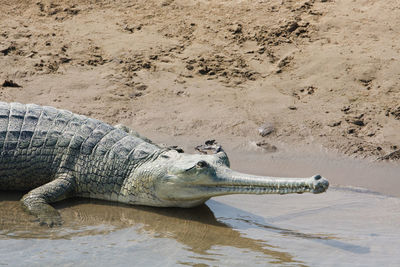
column 232, row 182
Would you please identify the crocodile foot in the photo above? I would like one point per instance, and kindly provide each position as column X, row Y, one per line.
column 45, row 214
column 49, row 220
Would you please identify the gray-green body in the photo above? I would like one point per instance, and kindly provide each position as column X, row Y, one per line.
column 55, row 154
column 39, row 143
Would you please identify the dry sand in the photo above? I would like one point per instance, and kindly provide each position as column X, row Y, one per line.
column 320, row 73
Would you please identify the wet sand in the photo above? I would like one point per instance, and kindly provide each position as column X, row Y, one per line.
column 349, row 225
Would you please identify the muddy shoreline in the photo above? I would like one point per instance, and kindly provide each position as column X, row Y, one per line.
column 355, row 225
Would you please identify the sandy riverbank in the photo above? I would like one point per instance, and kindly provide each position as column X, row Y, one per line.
column 317, row 73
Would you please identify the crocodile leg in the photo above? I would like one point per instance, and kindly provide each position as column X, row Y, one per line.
column 36, row 202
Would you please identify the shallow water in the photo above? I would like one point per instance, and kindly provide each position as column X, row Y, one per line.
column 347, row 226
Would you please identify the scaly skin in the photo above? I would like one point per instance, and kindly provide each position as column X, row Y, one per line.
column 57, row 154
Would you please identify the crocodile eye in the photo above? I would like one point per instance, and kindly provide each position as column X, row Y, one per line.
column 201, row 164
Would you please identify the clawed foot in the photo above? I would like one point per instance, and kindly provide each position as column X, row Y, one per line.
column 44, row 213
column 49, row 220
column 210, row 146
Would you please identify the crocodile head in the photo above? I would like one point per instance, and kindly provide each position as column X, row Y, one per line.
column 186, row 180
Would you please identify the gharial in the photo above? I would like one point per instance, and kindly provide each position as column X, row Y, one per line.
column 57, row 154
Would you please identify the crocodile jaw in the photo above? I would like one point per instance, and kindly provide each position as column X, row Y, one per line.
column 239, row 183
column 231, row 182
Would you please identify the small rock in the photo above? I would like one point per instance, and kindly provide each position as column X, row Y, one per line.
column 31, row 54
column 266, row 129
column 7, row 50
column 10, row 83
column 292, row 107
column 167, row 2
column 360, row 116
column 261, row 50
column 209, row 147
column 236, row 29
column 267, row 146
column 153, row 57
column 284, row 62
column 292, row 26
column 365, row 82
column 396, row 113
column 141, row 87
column 65, row 60
column 146, row 65
column 134, row 28
column 180, row 93
column 135, row 94
column 204, row 70
column 358, row 122
column 346, row 109
column 334, row 124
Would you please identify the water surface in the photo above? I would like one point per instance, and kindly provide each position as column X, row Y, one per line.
column 350, row 225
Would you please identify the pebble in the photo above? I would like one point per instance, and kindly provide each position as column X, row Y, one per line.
column 266, row 129
column 335, row 123
column 10, row 83
column 267, row 146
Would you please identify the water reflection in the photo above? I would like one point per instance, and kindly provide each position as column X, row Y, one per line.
column 246, row 220
column 285, row 230
column 197, row 229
